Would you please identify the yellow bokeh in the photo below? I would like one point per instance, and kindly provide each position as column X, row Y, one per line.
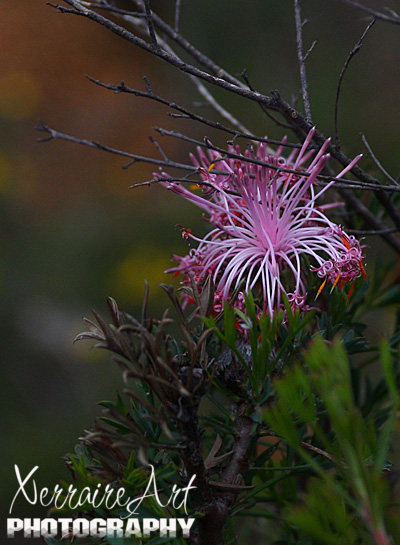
column 19, row 96
column 140, row 265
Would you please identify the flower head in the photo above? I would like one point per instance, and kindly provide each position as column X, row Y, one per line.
column 265, row 221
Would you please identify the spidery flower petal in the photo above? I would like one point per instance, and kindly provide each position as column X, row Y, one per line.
column 265, row 222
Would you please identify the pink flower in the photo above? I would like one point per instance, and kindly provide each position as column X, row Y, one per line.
column 265, row 222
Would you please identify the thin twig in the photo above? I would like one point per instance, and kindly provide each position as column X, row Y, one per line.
column 355, row 205
column 123, row 88
column 378, row 164
column 263, row 108
column 150, row 25
column 338, row 185
column 304, row 444
column 367, row 232
column 202, row 90
column 355, row 50
column 358, row 172
column 81, row 10
column 177, row 14
column 319, row 451
column 210, row 99
column 185, row 180
column 54, row 135
column 394, row 17
column 274, row 102
column 113, row 9
column 205, row 61
column 158, row 148
column 341, row 182
column 302, row 59
column 344, row 161
column 310, row 49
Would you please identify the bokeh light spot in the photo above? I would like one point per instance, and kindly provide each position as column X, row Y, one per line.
column 141, row 264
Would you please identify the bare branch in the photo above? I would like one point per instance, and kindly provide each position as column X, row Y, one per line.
column 185, row 180
column 217, row 107
column 310, row 50
column 205, row 61
column 158, row 148
column 341, row 182
column 177, row 14
column 150, row 25
column 55, row 135
column 202, row 90
column 302, row 58
column 301, row 125
column 358, row 172
column 378, row 164
column 108, row 7
column 393, row 16
column 80, row 9
column 367, row 232
column 355, row 50
column 304, row 444
column 263, row 108
column 123, row 88
column 355, row 204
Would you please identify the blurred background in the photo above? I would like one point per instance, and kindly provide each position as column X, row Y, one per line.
column 72, row 232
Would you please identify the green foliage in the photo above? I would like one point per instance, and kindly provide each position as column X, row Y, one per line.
column 279, row 418
column 355, row 488
column 269, row 340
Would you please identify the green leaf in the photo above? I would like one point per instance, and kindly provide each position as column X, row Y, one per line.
column 230, row 326
column 390, row 375
column 123, row 428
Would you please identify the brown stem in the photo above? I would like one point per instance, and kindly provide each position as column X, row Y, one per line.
column 214, row 503
column 203, row 500
column 239, row 462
